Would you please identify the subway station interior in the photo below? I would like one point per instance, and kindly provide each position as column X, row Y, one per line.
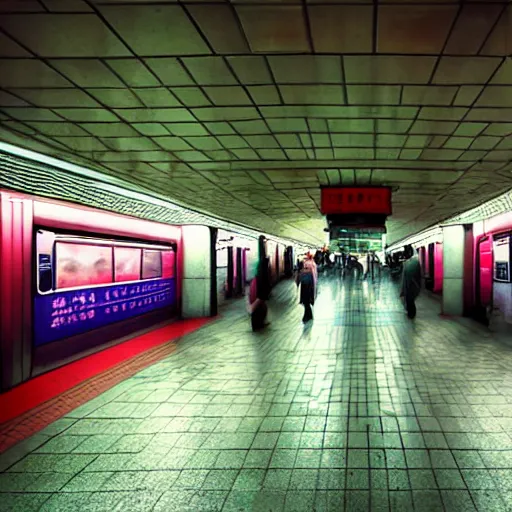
column 255, row 255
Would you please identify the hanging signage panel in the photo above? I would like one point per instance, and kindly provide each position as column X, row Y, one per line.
column 356, row 200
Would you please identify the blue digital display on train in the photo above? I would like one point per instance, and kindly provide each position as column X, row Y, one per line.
column 68, row 313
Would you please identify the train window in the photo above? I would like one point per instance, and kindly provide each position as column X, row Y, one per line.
column 167, row 264
column 222, row 257
column 82, row 265
column 127, row 264
column 151, row 264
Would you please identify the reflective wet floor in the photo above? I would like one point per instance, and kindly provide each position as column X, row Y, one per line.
column 359, row 410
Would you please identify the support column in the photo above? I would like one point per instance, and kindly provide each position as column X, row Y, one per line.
column 453, row 269
column 197, row 271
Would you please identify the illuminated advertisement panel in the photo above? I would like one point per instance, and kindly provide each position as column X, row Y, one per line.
column 68, row 313
column 502, row 259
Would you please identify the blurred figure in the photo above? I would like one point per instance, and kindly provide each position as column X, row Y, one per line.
column 300, row 263
column 344, row 260
column 411, row 280
column 258, row 294
column 307, row 279
column 373, row 265
column 395, row 266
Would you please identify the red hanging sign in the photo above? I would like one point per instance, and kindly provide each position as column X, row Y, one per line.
column 356, row 200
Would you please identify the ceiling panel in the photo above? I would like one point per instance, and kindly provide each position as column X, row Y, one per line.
column 414, row 28
column 220, row 26
column 374, row 94
column 465, row 70
column 308, row 94
column 264, row 94
column 9, row 48
column 383, row 69
column 209, row 70
column 498, row 41
column 302, row 69
column 110, row 129
column 115, row 98
column 496, row 96
column 266, row 32
column 133, row 72
column 87, row 72
column 192, row 96
column 29, row 73
column 229, row 95
column 477, row 20
column 169, row 71
column 132, row 21
column 341, row 28
column 428, row 95
column 251, row 69
column 63, row 35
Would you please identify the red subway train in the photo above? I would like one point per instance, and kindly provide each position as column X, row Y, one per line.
column 67, row 270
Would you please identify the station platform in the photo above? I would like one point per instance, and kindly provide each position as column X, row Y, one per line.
column 360, row 410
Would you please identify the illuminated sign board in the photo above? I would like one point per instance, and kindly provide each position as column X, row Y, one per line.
column 356, row 200
column 68, row 313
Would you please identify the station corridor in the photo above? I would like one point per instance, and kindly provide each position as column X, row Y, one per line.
column 360, row 410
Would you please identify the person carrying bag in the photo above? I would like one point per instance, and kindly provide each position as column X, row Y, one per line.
column 307, row 278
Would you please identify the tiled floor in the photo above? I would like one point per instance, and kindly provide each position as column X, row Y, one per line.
column 360, row 410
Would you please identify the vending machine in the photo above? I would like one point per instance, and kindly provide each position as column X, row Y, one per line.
column 502, row 258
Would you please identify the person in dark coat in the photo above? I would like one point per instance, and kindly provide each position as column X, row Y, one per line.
column 258, row 296
column 308, row 280
column 411, row 280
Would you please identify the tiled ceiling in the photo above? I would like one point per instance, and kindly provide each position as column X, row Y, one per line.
column 245, row 109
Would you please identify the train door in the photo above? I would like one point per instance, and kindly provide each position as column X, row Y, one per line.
column 430, row 268
column 231, row 274
column 422, row 259
column 288, row 263
column 502, row 283
column 238, row 273
column 483, row 285
column 244, row 267
column 277, row 267
column 438, row 268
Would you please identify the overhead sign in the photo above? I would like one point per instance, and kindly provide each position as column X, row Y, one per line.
column 356, row 200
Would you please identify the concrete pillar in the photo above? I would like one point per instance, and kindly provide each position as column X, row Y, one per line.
column 197, row 271
column 453, row 269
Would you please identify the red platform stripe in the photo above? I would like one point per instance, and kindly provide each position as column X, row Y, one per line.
column 39, row 390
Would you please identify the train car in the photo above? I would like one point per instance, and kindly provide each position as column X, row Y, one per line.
column 235, row 256
column 289, row 261
column 492, row 270
column 277, row 258
column 68, row 271
column 433, row 267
